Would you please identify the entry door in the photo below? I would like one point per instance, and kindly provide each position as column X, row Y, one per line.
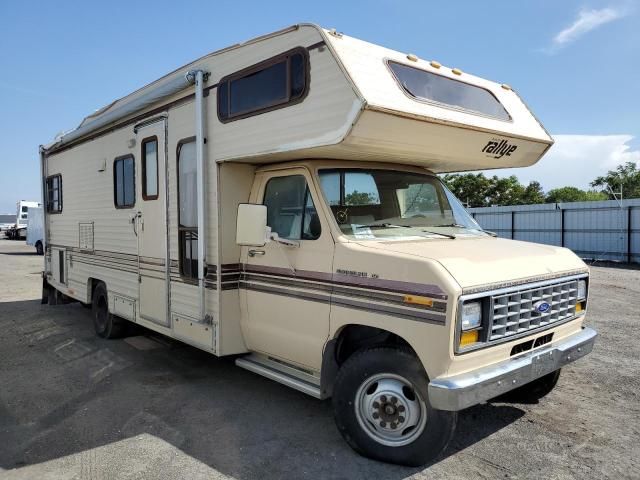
column 152, row 222
column 287, row 290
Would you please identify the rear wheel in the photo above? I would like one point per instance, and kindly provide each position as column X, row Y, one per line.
column 382, row 409
column 105, row 324
column 39, row 249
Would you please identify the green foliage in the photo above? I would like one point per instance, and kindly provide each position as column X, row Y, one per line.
column 573, row 194
column 626, row 175
column 478, row 190
column 360, row 198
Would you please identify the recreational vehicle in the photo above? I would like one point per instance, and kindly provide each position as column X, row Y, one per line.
column 278, row 200
column 19, row 230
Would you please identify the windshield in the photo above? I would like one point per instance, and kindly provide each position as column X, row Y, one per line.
column 371, row 203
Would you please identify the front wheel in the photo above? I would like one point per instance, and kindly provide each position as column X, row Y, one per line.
column 382, row 409
column 39, row 248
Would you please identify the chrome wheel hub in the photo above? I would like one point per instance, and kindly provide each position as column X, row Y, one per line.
column 390, row 410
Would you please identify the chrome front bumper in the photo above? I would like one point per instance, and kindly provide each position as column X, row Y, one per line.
column 462, row 391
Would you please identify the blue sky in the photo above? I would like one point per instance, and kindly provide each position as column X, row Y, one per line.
column 576, row 63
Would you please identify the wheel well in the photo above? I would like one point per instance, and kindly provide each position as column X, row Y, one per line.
column 348, row 341
column 93, row 283
column 355, row 337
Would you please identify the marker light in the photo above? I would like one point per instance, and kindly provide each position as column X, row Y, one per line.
column 412, row 57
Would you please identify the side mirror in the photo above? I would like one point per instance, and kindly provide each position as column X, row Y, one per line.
column 251, row 225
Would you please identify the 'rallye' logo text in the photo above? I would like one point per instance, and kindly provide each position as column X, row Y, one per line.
column 498, row 148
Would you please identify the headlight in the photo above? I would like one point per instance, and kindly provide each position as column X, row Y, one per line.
column 582, row 290
column 471, row 316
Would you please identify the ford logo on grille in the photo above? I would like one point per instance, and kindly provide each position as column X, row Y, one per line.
column 541, row 306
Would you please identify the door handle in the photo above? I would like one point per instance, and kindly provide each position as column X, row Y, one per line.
column 253, row 253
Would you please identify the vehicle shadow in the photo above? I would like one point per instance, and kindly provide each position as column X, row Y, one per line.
column 20, row 253
column 72, row 392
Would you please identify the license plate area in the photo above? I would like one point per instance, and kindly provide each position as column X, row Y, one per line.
column 544, row 363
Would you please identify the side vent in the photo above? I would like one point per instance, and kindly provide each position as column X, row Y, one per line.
column 85, row 236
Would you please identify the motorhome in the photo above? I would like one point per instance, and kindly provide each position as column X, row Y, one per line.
column 35, row 229
column 278, row 200
column 19, row 230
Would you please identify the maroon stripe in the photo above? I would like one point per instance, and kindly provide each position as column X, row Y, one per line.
column 395, row 286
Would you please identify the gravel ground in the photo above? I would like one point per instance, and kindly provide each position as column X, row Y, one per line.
column 76, row 406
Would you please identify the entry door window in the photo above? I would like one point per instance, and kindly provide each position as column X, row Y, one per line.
column 188, row 209
column 150, row 168
column 291, row 212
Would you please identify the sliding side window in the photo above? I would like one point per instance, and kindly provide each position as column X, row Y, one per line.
column 54, row 194
column 274, row 83
column 124, row 182
column 188, row 208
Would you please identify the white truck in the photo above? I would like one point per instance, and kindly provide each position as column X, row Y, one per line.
column 278, row 201
column 35, row 229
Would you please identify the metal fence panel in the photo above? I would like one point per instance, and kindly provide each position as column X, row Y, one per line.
column 606, row 230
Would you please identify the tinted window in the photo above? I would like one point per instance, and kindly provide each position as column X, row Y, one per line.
column 54, row 194
column 124, row 182
column 273, row 83
column 291, row 212
column 150, row 169
column 431, row 87
column 25, row 209
column 188, row 209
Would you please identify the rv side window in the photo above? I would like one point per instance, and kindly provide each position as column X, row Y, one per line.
column 290, row 209
column 274, row 83
column 150, row 168
column 54, row 194
column 188, row 208
column 431, row 87
column 124, row 183
column 25, row 208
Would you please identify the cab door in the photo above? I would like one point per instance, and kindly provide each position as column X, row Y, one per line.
column 151, row 225
column 287, row 288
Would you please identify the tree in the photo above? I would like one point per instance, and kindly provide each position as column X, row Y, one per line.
column 573, row 194
column 505, row 191
column 626, row 175
column 533, row 193
column 470, row 188
column 360, row 198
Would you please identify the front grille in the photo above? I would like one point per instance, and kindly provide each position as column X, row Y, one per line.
column 514, row 312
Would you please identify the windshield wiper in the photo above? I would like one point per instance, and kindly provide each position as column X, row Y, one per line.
column 382, row 225
column 457, row 225
column 452, row 237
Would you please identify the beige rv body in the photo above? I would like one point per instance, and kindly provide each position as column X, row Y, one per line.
column 289, row 303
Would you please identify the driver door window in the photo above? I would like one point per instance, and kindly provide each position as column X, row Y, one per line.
column 290, row 209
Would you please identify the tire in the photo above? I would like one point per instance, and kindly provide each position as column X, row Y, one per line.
column 39, row 249
column 105, row 324
column 532, row 392
column 374, row 388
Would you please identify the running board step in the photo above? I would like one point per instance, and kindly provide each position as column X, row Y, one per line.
column 282, row 373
